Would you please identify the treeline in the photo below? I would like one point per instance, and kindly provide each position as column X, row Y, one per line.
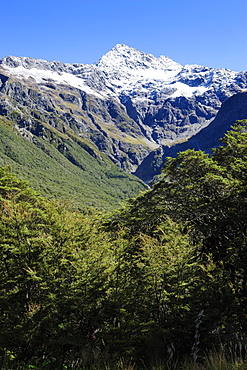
column 160, row 280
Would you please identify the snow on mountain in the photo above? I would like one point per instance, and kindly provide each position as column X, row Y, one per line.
column 130, row 101
column 43, row 71
column 166, row 100
column 131, row 71
column 127, row 67
column 124, row 70
column 42, row 75
column 123, row 58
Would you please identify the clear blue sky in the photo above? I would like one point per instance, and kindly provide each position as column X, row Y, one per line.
column 211, row 33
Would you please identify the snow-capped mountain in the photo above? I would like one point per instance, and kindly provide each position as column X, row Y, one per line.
column 124, row 69
column 127, row 103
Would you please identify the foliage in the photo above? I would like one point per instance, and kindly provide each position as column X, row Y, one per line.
column 208, row 195
column 160, row 283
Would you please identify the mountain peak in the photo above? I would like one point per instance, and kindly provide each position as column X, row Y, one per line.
column 123, row 47
column 125, row 57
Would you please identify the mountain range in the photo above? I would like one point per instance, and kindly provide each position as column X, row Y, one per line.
column 129, row 107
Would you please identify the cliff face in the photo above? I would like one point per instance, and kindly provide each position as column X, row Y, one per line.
column 129, row 105
column 233, row 109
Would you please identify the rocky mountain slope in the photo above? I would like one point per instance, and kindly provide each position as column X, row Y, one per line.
column 232, row 110
column 127, row 105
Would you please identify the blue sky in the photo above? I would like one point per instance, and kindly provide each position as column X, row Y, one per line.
column 211, row 33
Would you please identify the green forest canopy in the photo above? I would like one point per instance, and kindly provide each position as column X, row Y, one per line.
column 162, row 278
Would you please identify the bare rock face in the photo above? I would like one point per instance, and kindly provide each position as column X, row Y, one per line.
column 130, row 105
column 232, row 110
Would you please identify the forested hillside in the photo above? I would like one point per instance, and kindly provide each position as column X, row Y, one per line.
column 64, row 166
column 157, row 284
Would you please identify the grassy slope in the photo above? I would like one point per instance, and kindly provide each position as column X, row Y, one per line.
column 86, row 180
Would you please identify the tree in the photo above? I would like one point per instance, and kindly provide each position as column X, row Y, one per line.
column 53, row 267
column 208, row 196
